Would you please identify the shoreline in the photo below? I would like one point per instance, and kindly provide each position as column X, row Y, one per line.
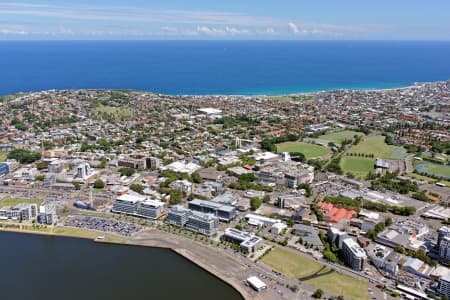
column 184, row 253
column 305, row 92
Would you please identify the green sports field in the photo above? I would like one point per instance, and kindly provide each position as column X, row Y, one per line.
column 8, row 201
column 358, row 166
column 309, row 150
column 337, row 137
column 315, row 274
column 434, row 169
column 375, row 145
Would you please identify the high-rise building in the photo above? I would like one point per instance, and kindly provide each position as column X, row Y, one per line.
column 203, row 223
column 139, row 206
column 47, row 215
column 354, row 255
column 223, row 212
column 83, row 170
column 444, row 285
column 178, row 215
column 149, row 209
column 444, row 248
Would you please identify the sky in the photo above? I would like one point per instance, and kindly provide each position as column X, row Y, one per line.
column 225, row 19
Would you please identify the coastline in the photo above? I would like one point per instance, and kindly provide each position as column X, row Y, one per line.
column 255, row 93
column 157, row 243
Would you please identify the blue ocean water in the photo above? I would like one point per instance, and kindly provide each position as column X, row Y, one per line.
column 220, row 67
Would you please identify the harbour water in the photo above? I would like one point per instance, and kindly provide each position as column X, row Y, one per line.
column 54, row 268
column 220, row 67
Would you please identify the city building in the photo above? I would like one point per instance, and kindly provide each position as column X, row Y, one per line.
column 83, row 171
column 309, row 235
column 178, row 215
column 137, row 205
column 444, row 248
column 151, row 209
column 47, row 215
column 444, row 286
column 354, row 255
column 183, row 186
column 334, row 213
column 223, row 212
column 19, row 212
column 247, row 241
column 203, row 223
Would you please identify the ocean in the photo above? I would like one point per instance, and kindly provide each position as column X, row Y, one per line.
column 220, row 67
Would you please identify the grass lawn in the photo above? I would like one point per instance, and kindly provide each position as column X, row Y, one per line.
column 440, row 170
column 298, row 266
column 337, row 137
column 121, row 112
column 375, row 145
column 309, row 150
column 358, row 166
column 2, row 157
column 8, row 201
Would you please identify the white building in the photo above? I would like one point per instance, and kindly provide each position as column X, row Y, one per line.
column 137, row 205
column 247, row 241
column 256, row 283
column 354, row 255
column 277, row 228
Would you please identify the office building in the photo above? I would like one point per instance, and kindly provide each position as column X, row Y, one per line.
column 247, row 241
column 354, row 255
column 444, row 285
column 126, row 204
column 134, row 163
column 178, row 215
column 47, row 215
column 442, row 232
column 444, row 248
column 139, row 206
column 20, row 212
column 335, row 236
column 83, row 170
column 223, row 212
column 151, row 209
column 203, row 223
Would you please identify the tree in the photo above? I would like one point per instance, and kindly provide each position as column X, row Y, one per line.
column 266, row 198
column 196, row 178
column 99, row 184
column 24, row 156
column 255, row 203
column 175, row 197
column 307, row 188
column 76, row 185
column 318, row 294
column 126, row 171
column 388, row 222
column 138, row 188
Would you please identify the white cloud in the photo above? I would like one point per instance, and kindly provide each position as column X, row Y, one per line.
column 133, row 14
column 293, row 28
column 231, row 31
column 12, row 31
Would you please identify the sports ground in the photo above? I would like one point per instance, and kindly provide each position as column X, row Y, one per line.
column 308, row 150
column 315, row 274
